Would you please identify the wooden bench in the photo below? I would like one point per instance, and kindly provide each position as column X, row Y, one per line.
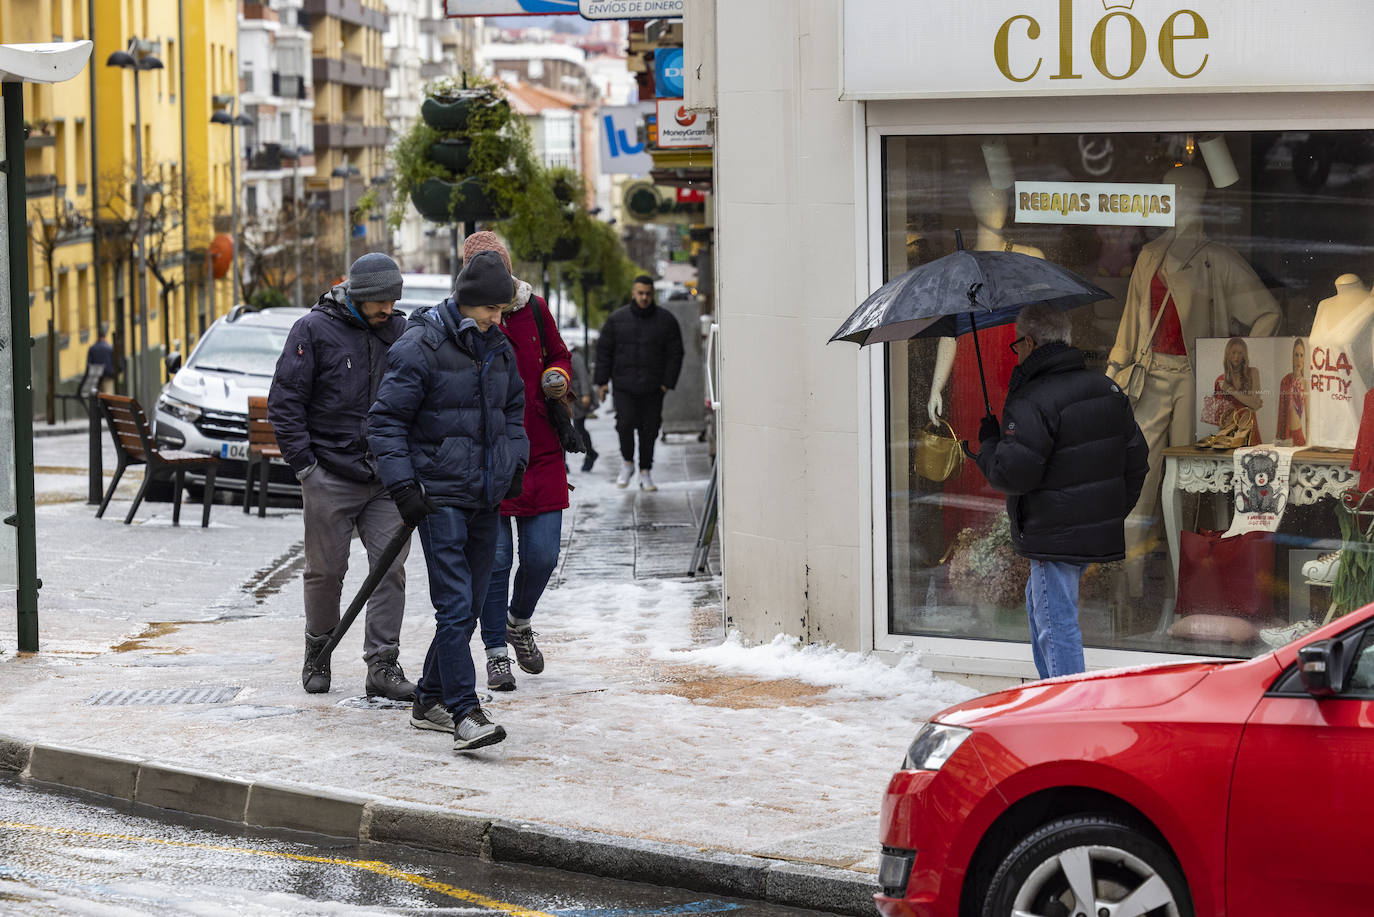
column 262, row 448
column 134, row 445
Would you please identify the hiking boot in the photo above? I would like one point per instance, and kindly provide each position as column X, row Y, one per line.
column 315, row 673
column 646, row 480
column 435, row 716
column 590, row 460
column 474, row 730
column 627, row 471
column 499, row 677
column 526, row 653
column 385, row 678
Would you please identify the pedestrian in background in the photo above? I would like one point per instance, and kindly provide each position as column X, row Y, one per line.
column 584, row 403
column 640, row 353
column 448, row 430
column 102, row 354
column 536, row 513
column 326, row 379
column 1071, row 460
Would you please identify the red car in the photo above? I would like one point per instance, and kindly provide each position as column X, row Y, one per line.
column 1214, row 788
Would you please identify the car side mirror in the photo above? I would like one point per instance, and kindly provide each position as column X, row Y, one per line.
column 173, row 362
column 1321, row 666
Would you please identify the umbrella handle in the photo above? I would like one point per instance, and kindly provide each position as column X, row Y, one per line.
column 978, row 352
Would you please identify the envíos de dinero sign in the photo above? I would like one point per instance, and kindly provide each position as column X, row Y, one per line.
column 1095, row 203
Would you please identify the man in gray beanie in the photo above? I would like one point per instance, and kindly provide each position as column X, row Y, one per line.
column 326, row 379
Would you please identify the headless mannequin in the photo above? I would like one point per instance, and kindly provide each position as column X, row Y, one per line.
column 1207, row 287
column 990, row 207
column 1341, row 364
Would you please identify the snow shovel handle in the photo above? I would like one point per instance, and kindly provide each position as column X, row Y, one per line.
column 374, row 576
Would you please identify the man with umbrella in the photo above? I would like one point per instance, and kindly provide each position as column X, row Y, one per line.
column 1071, row 460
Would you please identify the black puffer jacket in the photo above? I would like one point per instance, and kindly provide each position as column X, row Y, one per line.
column 326, row 379
column 451, row 411
column 639, row 350
column 1070, row 458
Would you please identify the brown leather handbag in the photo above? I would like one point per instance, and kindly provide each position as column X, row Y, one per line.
column 937, row 455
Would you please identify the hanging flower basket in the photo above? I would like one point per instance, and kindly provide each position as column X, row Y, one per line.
column 435, row 199
column 565, row 248
column 451, row 113
column 453, row 155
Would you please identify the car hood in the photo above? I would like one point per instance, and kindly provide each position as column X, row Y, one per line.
column 216, row 391
column 1111, row 689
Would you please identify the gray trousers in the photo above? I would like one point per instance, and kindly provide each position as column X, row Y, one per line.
column 334, row 507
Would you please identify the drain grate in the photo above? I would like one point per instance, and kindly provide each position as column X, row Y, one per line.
column 213, row 694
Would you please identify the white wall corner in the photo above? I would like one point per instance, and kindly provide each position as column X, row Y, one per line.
column 699, row 55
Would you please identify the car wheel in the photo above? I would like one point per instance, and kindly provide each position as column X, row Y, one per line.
column 1084, row 866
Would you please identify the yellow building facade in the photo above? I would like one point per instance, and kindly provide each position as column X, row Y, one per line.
column 80, row 162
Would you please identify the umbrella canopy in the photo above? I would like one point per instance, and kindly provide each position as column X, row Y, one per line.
column 962, row 291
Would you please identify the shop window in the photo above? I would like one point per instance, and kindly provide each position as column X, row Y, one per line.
column 1263, row 245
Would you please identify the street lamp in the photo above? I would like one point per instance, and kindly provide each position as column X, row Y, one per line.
column 346, row 172
column 223, row 115
column 138, row 58
column 294, row 154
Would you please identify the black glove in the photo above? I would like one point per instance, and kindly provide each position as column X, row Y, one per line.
column 563, row 427
column 517, row 482
column 989, row 428
column 413, row 503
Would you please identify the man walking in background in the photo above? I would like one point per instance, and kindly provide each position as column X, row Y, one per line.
column 1071, row 460
column 102, row 354
column 326, row 379
column 640, row 353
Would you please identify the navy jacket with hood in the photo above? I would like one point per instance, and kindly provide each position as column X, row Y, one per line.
column 1070, row 458
column 326, row 379
column 450, row 412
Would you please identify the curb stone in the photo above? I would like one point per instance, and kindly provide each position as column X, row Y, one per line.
column 268, row 804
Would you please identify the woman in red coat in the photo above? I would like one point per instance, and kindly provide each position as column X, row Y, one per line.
column 537, row 513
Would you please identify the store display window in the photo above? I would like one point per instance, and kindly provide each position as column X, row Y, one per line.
column 1239, row 267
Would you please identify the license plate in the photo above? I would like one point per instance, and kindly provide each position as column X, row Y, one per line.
column 237, row 451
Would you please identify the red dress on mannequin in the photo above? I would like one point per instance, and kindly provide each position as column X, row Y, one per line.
column 966, row 409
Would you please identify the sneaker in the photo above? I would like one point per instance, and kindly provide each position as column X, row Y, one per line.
column 385, row 678
column 315, row 672
column 627, row 471
column 526, row 652
column 590, row 460
column 474, row 730
column 1282, row 636
column 1323, row 570
column 435, row 716
column 499, row 677
column 646, row 480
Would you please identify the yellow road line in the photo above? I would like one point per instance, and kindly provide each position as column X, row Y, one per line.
column 373, row 866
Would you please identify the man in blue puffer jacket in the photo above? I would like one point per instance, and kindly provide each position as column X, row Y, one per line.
column 448, row 432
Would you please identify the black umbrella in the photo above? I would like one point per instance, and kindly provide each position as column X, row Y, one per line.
column 959, row 294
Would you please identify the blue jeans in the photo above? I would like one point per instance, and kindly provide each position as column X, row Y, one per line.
column 539, row 542
column 459, row 546
column 1052, row 606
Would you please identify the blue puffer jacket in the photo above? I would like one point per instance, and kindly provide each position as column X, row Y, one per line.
column 450, row 411
column 326, row 378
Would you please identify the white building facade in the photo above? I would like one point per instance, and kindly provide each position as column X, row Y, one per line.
column 853, row 138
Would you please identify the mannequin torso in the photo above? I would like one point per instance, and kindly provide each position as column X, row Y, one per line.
column 1341, row 364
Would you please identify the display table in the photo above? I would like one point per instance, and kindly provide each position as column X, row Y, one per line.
column 1317, row 474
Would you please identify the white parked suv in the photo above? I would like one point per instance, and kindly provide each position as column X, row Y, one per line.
column 204, row 406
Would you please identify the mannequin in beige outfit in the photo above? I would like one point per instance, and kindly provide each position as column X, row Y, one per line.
column 1214, row 293
column 990, row 208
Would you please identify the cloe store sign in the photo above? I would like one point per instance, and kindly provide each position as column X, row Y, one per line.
column 902, row 49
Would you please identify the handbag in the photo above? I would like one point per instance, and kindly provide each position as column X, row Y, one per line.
column 1225, row 576
column 937, row 455
column 1214, row 409
column 556, row 409
column 1130, row 377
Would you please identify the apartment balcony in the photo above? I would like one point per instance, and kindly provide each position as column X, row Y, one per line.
column 431, row 70
column 259, row 11
column 351, row 11
column 289, row 86
column 348, row 136
column 348, row 71
column 39, row 185
column 266, row 158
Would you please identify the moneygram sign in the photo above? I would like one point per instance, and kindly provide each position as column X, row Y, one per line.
column 679, row 128
column 630, row 9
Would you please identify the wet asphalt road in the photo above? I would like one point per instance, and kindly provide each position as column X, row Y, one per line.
column 69, row 853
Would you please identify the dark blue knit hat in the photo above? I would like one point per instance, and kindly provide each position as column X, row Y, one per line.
column 484, row 281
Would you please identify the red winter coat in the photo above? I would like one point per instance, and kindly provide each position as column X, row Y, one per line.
column 546, row 481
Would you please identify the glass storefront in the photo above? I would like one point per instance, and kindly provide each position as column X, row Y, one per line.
column 1262, row 243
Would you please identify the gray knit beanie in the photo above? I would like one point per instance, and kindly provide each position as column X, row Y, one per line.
column 374, row 278
column 484, row 281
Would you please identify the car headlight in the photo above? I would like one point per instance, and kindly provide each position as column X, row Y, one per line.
column 178, row 408
column 933, row 746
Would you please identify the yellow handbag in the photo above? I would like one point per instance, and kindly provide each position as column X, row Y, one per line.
column 937, row 455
